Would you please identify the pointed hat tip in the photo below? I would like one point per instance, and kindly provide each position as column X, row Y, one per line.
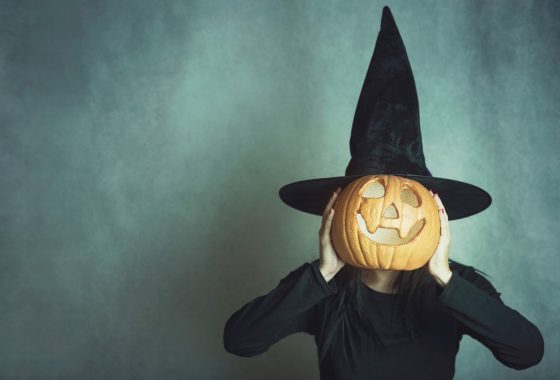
column 387, row 20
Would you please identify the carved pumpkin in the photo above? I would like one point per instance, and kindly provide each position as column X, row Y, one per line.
column 385, row 221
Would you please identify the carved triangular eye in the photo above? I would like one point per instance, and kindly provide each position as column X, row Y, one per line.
column 374, row 189
column 409, row 196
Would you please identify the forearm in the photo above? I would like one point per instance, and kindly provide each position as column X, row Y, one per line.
column 514, row 340
column 286, row 309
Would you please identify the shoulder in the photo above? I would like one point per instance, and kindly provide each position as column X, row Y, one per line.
column 474, row 276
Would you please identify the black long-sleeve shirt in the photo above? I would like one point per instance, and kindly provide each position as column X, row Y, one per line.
column 468, row 304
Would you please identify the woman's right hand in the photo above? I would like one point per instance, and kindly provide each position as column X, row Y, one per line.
column 329, row 262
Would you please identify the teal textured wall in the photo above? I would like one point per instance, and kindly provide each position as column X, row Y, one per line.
column 142, row 146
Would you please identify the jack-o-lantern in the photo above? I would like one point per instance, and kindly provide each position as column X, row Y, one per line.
column 385, row 221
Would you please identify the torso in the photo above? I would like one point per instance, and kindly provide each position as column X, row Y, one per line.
column 430, row 355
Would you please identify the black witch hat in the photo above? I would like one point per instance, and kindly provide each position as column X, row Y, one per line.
column 386, row 137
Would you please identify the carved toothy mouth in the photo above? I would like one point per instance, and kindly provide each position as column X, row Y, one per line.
column 389, row 236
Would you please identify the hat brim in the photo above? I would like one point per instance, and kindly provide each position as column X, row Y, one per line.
column 460, row 199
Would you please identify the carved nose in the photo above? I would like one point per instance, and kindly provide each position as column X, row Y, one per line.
column 391, row 212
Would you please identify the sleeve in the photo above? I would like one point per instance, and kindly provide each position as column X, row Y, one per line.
column 475, row 303
column 286, row 309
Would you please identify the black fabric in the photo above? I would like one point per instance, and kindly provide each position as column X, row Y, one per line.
column 469, row 304
column 460, row 199
column 386, row 136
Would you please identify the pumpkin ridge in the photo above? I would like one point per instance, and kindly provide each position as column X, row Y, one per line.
column 361, row 209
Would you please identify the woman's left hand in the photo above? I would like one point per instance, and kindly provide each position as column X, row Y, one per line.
column 439, row 262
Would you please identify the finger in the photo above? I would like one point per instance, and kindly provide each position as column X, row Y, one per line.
column 444, row 230
column 438, row 201
column 446, row 224
column 326, row 228
column 443, row 218
column 326, row 212
column 331, row 201
column 329, row 221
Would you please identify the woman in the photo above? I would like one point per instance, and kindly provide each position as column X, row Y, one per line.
column 383, row 324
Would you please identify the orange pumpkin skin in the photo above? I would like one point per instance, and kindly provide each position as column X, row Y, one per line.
column 385, row 222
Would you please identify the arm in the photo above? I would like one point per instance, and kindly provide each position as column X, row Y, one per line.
column 475, row 303
column 285, row 310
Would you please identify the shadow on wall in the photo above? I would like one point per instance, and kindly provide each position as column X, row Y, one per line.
column 252, row 264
